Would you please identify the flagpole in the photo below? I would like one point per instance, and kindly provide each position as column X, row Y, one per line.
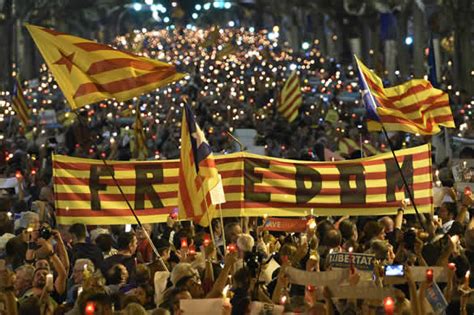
column 407, row 188
column 222, row 226
column 155, row 250
column 109, row 169
column 207, row 211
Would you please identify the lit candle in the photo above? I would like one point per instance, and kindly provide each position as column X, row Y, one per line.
column 467, row 191
column 225, row 291
column 438, row 182
column 429, row 275
column 90, row 308
column 312, row 224
column 467, row 278
column 452, row 266
column 207, row 240
column 184, row 242
column 192, row 250
column 49, row 282
column 351, row 260
column 389, row 305
column 231, row 248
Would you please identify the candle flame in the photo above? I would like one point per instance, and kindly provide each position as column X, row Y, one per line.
column 226, row 289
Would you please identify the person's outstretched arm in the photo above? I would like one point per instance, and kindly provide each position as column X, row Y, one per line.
column 221, row 280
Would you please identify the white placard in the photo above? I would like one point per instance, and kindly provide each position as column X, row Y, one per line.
column 217, row 193
column 419, row 275
column 257, row 308
column 324, row 278
column 201, row 306
column 360, row 292
column 10, row 182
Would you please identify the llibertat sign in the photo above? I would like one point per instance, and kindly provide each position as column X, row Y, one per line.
column 254, row 185
column 358, row 260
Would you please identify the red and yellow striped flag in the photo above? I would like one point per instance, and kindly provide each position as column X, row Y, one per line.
column 88, row 72
column 198, row 173
column 414, row 106
column 141, row 150
column 290, row 98
column 254, row 185
column 19, row 105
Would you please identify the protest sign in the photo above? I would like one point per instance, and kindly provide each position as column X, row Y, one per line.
column 436, row 298
column 285, row 225
column 326, row 278
column 259, row 308
column 360, row 292
column 201, row 306
column 343, row 260
column 9, row 182
column 418, row 274
column 254, row 185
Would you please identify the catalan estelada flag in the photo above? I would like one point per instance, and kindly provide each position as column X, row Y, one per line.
column 19, row 105
column 198, row 173
column 88, row 72
column 290, row 98
column 141, row 150
column 414, row 106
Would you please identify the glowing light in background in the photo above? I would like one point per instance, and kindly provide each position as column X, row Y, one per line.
column 137, row 6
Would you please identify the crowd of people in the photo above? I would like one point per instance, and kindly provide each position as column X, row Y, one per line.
column 234, row 79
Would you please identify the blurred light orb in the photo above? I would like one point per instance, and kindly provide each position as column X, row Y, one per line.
column 137, row 6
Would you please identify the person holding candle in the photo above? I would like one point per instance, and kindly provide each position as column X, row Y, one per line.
column 42, row 289
column 82, row 269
